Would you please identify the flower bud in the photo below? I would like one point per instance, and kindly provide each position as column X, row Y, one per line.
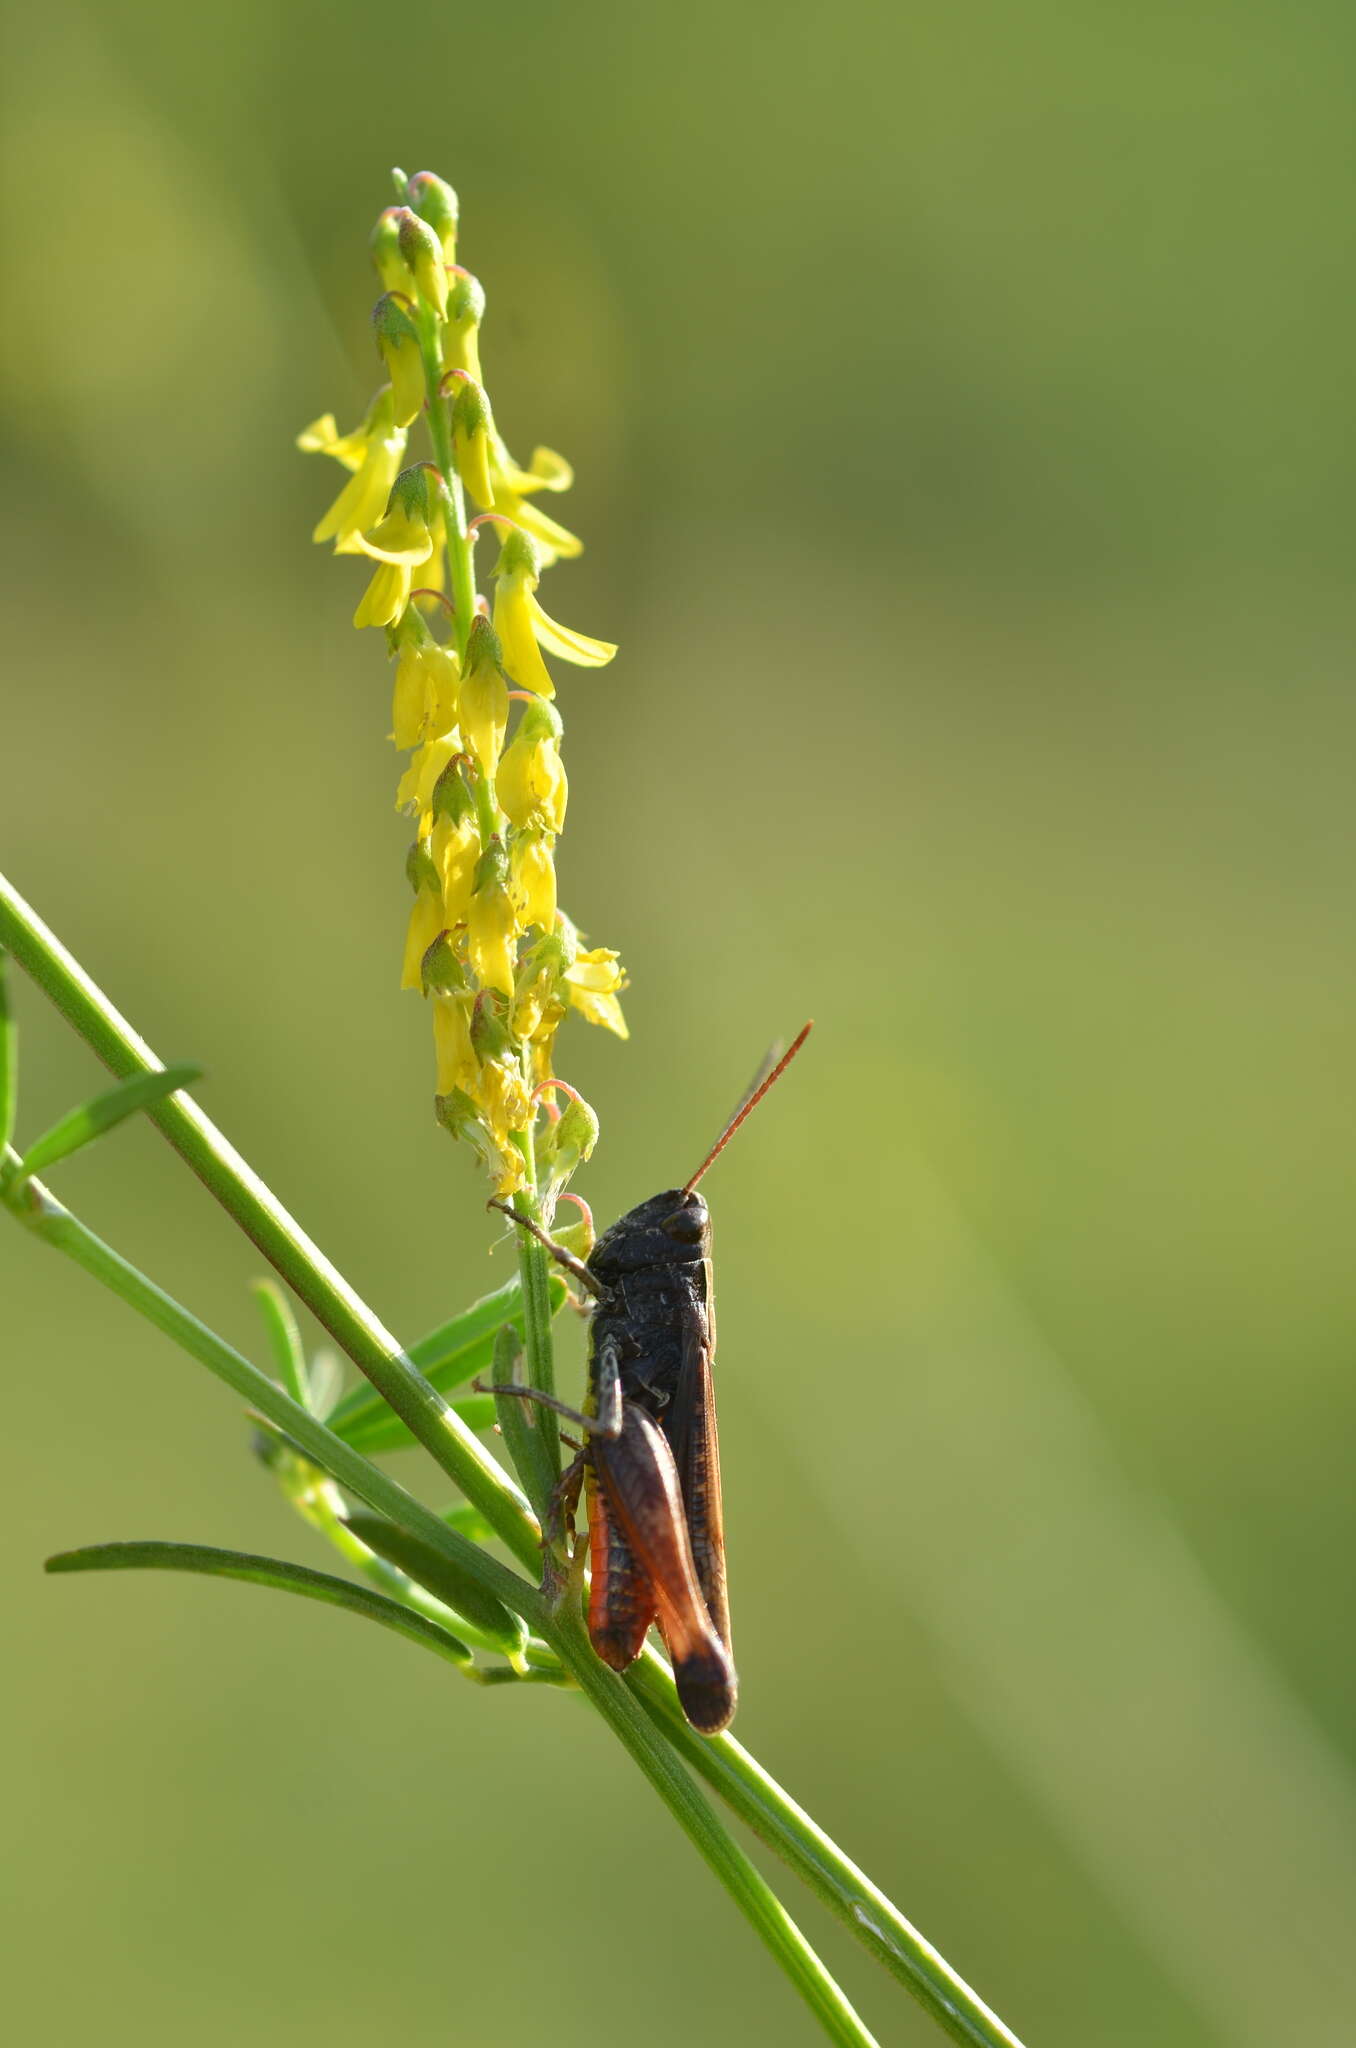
column 461, row 335
column 567, row 1143
column 422, row 250
column 435, row 201
column 392, row 268
column 398, row 346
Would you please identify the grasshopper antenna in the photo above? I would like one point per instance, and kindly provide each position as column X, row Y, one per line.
column 751, row 1103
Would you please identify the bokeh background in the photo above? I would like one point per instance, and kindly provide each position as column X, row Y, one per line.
column 962, row 409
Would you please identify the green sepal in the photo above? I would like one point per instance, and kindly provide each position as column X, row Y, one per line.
column 518, row 557
column 443, row 1579
column 434, row 201
column 265, row 1571
column 440, row 971
column 80, row 1126
column 421, row 870
column 451, row 798
column 455, row 1352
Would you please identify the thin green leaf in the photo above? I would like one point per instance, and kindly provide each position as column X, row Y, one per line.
column 93, row 1118
column 284, row 1340
column 443, row 1579
column 264, row 1571
column 449, row 1356
column 9, row 1059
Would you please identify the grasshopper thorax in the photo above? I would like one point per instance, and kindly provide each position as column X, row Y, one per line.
column 670, row 1229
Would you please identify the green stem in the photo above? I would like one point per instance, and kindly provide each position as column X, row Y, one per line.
column 804, row 1847
column 54, row 1224
column 750, row 1892
column 9, row 1058
column 460, row 572
column 279, row 1237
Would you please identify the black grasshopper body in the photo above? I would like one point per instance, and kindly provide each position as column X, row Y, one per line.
column 655, row 1517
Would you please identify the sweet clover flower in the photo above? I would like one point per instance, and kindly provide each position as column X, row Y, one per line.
column 486, row 943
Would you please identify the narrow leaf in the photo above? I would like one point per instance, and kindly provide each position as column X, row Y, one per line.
column 9, row 1060
column 445, row 1580
column 93, row 1118
column 449, row 1356
column 284, row 1340
column 264, row 1571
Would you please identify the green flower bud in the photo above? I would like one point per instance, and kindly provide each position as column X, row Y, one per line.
column 392, row 269
column 435, row 201
column 422, row 250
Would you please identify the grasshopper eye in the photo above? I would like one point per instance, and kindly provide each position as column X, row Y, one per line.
column 686, row 1224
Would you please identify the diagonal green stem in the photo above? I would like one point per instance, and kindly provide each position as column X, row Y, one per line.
column 279, row 1237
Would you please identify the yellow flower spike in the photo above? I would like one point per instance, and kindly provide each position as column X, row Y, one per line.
column 398, row 346
column 532, row 880
column 422, row 250
column 392, row 269
column 529, row 786
column 364, row 496
column 434, row 201
column 483, row 700
column 492, row 923
column 472, row 429
column 593, row 980
column 461, row 335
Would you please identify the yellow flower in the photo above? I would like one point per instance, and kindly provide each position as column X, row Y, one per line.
column 483, row 701
column 399, row 542
column 492, row 925
column 513, row 492
column 472, row 429
column 364, row 496
column 530, row 785
column 593, row 980
column 465, row 310
column 398, row 345
column 392, row 269
column 322, row 437
column 426, row 922
column 418, row 782
column 454, row 843
column 524, row 628
column 532, row 880
column 458, row 1066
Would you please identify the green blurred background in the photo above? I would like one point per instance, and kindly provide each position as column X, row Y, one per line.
column 962, row 408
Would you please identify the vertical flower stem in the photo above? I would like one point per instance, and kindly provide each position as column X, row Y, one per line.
column 459, row 569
